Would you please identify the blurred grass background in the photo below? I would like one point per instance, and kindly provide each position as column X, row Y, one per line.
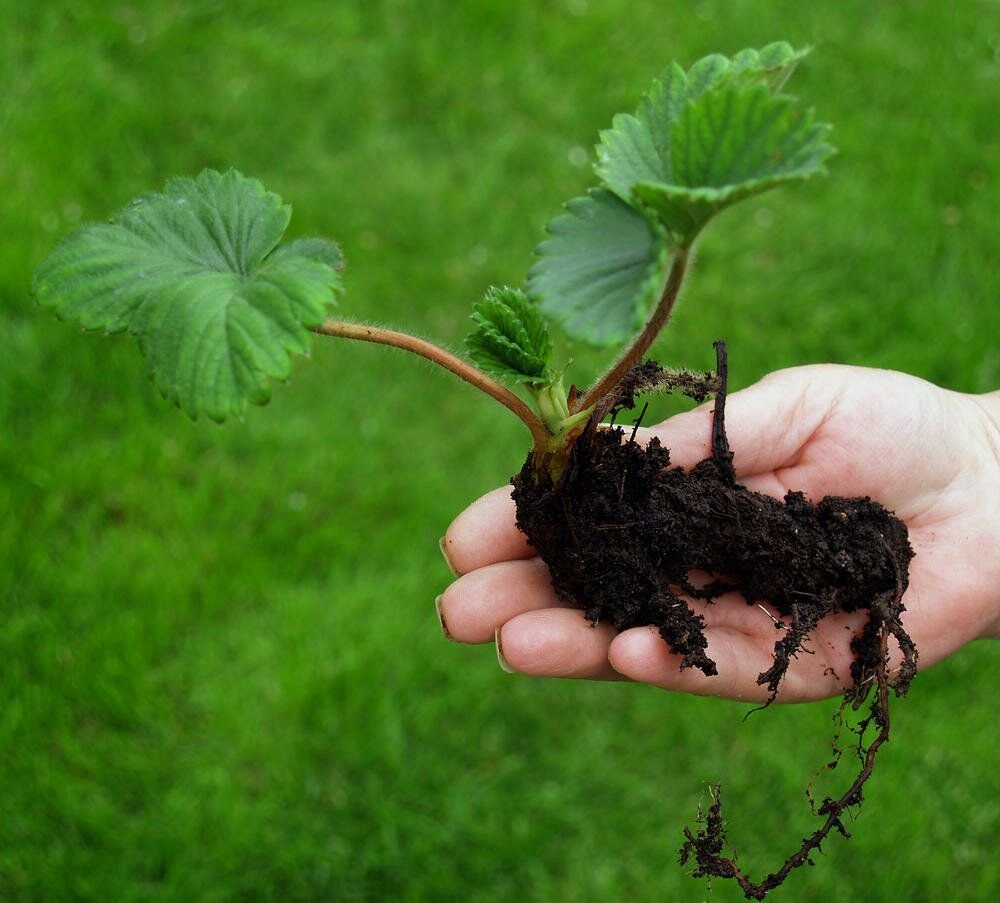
column 221, row 674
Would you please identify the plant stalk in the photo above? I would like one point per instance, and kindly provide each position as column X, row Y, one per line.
column 552, row 405
column 634, row 353
column 340, row 329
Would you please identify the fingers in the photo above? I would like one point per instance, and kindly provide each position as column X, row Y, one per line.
column 485, row 533
column 478, row 604
column 557, row 642
column 641, row 655
column 513, row 603
column 554, row 641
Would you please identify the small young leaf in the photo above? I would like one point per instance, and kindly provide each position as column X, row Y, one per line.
column 194, row 274
column 602, row 269
column 511, row 340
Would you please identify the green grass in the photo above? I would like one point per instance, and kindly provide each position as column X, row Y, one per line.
column 221, row 674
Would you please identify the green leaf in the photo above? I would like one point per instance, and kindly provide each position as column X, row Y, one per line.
column 602, row 269
column 196, row 275
column 706, row 138
column 731, row 143
column 511, row 340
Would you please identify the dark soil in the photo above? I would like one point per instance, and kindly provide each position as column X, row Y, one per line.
column 623, row 532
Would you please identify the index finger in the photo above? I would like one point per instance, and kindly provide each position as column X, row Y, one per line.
column 485, row 533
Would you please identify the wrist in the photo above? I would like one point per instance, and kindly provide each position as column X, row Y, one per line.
column 989, row 408
column 989, row 404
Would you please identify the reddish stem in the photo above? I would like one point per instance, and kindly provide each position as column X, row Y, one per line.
column 428, row 350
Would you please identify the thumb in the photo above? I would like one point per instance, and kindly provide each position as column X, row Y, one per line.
column 768, row 423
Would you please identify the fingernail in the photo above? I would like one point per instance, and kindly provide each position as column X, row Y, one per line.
column 444, row 626
column 504, row 664
column 443, row 546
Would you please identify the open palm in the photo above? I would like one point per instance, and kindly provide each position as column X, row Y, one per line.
column 930, row 455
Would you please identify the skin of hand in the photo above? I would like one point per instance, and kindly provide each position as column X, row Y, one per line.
column 929, row 454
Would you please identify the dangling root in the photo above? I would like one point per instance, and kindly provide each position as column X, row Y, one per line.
column 706, row 846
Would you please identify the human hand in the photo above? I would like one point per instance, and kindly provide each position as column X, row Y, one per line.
column 930, row 455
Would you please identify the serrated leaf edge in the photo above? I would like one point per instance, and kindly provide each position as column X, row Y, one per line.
column 655, row 274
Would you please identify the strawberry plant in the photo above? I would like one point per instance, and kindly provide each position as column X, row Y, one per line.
column 219, row 304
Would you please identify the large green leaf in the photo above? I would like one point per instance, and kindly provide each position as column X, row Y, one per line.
column 510, row 340
column 710, row 136
column 602, row 269
column 196, row 275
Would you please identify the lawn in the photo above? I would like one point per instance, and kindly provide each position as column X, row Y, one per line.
column 220, row 670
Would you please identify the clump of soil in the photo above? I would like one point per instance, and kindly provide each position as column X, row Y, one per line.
column 622, row 531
